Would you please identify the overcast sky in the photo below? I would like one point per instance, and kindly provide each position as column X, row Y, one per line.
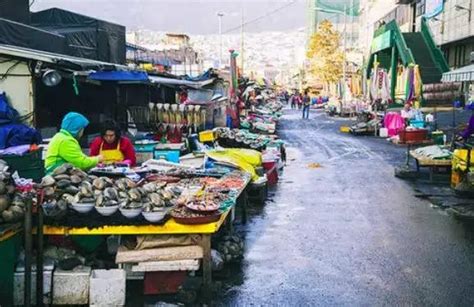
column 189, row 16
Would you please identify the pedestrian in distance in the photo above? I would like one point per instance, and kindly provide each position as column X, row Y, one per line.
column 292, row 101
column 306, row 101
column 299, row 101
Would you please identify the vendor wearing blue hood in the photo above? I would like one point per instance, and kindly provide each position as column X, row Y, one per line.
column 64, row 146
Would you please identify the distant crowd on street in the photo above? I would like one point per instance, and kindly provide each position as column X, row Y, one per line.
column 303, row 101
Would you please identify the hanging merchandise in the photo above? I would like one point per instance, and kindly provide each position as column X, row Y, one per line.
column 418, row 83
column 400, row 88
column 380, row 88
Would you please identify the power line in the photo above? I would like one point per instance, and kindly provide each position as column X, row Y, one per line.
column 260, row 17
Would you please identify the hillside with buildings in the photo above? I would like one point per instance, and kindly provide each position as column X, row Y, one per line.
column 274, row 55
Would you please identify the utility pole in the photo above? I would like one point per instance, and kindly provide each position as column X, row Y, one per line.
column 220, row 15
column 242, row 42
column 344, row 59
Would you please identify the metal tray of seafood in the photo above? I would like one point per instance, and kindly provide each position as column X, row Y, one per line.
column 205, row 219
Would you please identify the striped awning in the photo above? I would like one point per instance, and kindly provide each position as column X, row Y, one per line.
column 462, row 74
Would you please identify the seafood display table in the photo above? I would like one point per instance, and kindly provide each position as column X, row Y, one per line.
column 170, row 227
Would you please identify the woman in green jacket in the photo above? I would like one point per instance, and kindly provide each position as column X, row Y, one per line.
column 64, row 146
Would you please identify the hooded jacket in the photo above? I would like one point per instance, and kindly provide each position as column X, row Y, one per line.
column 64, row 147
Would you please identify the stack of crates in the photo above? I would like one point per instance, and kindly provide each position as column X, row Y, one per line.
column 144, row 151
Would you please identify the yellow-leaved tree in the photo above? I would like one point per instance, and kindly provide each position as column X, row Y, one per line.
column 324, row 54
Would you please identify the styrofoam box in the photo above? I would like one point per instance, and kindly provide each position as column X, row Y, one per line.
column 19, row 290
column 107, row 287
column 71, row 287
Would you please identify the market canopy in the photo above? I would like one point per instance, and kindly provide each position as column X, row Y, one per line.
column 119, row 76
column 459, row 75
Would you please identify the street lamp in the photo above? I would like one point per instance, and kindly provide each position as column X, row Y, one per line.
column 220, row 15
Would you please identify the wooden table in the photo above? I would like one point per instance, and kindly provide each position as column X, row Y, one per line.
column 432, row 164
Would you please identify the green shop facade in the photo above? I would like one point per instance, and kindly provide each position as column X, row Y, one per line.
column 390, row 48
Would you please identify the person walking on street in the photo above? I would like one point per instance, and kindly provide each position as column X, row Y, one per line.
column 306, row 104
column 299, row 100
column 292, row 101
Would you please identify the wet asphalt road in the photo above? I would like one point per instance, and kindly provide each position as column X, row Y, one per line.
column 349, row 233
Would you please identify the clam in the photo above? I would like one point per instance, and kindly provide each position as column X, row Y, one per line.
column 86, row 189
column 147, row 207
column 135, row 195
column 4, row 202
column 97, row 193
column 111, row 194
column 99, row 201
column 68, row 198
column 130, row 183
column 11, row 189
column 63, row 169
column 122, row 195
column 8, row 216
column 17, row 210
column 79, row 173
column 167, row 195
column 92, row 177
column 63, row 183
column 142, row 191
column 61, row 177
column 49, row 191
column 48, row 181
column 72, row 190
column 86, row 184
column 77, row 197
column 75, row 179
column 3, row 187
column 87, row 200
column 109, row 182
column 150, row 187
column 110, row 203
column 134, row 205
column 99, row 183
column 121, row 185
column 155, row 199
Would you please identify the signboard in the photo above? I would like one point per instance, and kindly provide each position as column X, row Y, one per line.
column 381, row 42
column 433, row 8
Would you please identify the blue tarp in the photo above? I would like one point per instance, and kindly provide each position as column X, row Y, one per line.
column 202, row 77
column 119, row 76
column 11, row 132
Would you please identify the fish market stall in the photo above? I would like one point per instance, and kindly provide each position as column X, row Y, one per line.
column 178, row 202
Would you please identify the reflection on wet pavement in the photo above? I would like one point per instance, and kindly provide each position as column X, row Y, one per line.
column 349, row 232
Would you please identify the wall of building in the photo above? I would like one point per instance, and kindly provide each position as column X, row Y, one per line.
column 16, row 82
column 453, row 30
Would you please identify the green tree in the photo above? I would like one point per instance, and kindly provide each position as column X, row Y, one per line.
column 324, row 55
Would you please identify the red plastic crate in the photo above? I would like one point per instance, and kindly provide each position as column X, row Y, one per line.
column 163, row 282
column 271, row 169
column 417, row 135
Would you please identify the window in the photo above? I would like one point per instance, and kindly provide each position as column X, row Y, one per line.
column 446, row 54
column 420, row 7
column 459, row 55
